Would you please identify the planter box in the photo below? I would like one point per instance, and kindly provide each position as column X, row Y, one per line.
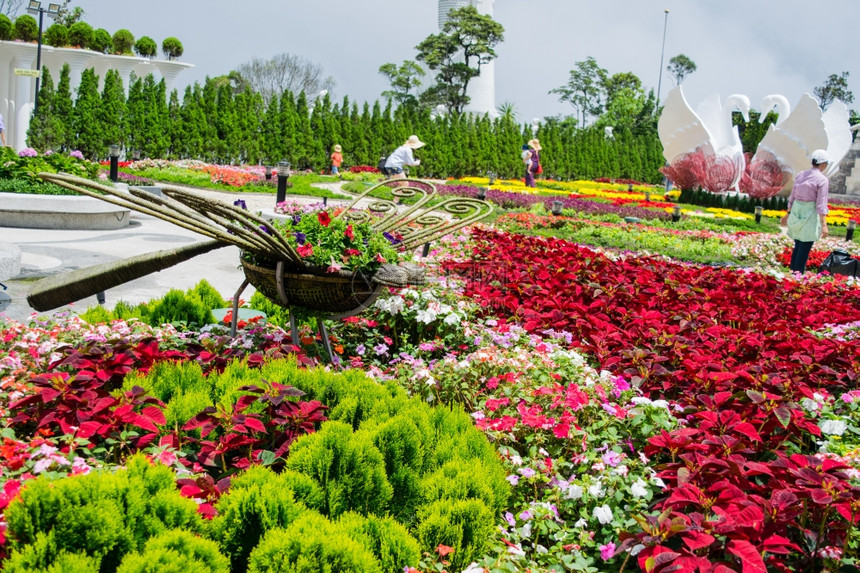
column 66, row 212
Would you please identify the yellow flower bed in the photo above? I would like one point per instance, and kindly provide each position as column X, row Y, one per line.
column 586, row 188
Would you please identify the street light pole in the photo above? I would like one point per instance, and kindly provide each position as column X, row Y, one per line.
column 662, row 52
column 35, row 7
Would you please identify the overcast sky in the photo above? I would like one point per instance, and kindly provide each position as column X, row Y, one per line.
column 754, row 47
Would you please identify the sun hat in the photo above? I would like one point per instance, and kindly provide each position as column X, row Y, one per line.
column 414, row 142
column 820, row 156
column 535, row 144
column 337, row 148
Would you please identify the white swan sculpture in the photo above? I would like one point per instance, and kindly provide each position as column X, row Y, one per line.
column 787, row 145
column 702, row 147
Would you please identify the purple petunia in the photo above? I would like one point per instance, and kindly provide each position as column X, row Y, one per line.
column 240, row 203
column 391, row 238
column 301, row 237
column 296, row 219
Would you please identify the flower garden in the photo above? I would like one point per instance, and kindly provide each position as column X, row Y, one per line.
column 598, row 390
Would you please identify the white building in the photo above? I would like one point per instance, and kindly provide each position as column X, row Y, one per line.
column 482, row 89
column 18, row 92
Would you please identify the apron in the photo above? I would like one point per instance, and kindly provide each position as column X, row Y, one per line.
column 804, row 224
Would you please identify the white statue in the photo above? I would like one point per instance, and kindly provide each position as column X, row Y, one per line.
column 702, row 147
column 786, row 147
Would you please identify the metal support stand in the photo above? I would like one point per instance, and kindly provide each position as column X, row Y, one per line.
column 235, row 320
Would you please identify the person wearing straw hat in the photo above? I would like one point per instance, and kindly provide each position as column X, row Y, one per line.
column 807, row 210
column 336, row 159
column 532, row 161
column 402, row 156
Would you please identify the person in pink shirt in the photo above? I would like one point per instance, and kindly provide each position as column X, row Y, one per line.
column 806, row 219
column 336, row 159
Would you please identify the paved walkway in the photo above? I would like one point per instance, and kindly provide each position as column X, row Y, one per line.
column 47, row 252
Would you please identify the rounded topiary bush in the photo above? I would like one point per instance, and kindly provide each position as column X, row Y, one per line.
column 465, row 525
column 57, row 35
column 104, row 514
column 38, row 558
column 176, row 551
column 348, row 467
column 122, row 41
column 387, row 539
column 80, row 34
column 26, row 28
column 146, row 47
column 312, row 543
column 6, row 28
column 256, row 503
column 101, row 41
column 172, row 48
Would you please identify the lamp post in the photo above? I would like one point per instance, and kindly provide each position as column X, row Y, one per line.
column 849, row 232
column 676, row 213
column 114, row 162
column 35, row 7
column 556, row 207
column 135, row 155
column 662, row 52
column 268, row 172
column 283, row 174
column 758, row 211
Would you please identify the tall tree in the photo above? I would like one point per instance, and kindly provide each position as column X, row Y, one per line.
column 585, row 90
column 403, row 80
column 46, row 130
column 285, row 72
column 835, row 87
column 466, row 43
column 680, row 67
column 64, row 108
column 111, row 112
column 88, row 129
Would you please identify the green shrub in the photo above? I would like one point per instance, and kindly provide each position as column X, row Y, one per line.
column 104, row 514
column 311, row 544
column 146, row 47
column 179, row 308
column 172, row 48
column 275, row 313
column 122, row 41
column 101, row 41
column 6, row 28
column 26, row 28
column 305, row 489
column 176, row 551
column 456, row 480
column 126, row 311
column 389, row 541
column 347, row 466
column 256, row 503
column 42, row 557
column 97, row 315
column 207, row 294
column 57, row 35
column 81, row 34
column 402, row 446
column 466, row 525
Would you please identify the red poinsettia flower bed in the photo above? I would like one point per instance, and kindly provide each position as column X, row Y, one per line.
column 737, row 349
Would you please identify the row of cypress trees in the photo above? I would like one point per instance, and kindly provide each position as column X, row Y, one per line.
column 217, row 123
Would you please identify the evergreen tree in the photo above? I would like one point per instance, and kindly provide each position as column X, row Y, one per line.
column 136, row 131
column 111, row 112
column 63, row 110
column 90, row 137
column 46, row 130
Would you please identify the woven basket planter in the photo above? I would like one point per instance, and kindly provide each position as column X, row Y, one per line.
column 306, row 287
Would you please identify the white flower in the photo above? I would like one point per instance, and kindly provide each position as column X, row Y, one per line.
column 516, row 460
column 451, row 319
column 573, row 492
column 833, row 427
column 603, row 514
column 425, row 316
column 809, row 405
column 580, row 523
column 639, row 489
column 596, row 490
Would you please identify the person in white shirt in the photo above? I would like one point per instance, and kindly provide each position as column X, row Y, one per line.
column 2, row 131
column 402, row 156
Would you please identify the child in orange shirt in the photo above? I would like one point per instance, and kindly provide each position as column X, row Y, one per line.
column 336, row 159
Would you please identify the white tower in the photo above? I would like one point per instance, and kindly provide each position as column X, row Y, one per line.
column 482, row 89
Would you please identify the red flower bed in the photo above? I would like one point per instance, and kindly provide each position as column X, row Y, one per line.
column 363, row 169
column 736, row 349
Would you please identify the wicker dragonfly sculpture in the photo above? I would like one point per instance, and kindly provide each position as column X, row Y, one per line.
column 290, row 282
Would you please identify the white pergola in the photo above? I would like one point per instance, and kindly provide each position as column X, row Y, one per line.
column 18, row 92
